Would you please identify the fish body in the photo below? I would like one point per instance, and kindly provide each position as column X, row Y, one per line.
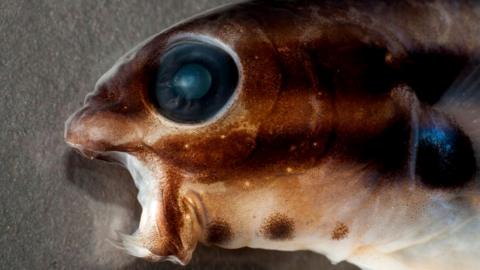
column 346, row 128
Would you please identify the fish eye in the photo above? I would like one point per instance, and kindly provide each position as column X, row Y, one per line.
column 193, row 82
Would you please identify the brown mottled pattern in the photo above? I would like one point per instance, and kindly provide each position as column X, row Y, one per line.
column 278, row 227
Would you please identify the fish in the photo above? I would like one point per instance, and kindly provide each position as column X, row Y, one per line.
column 348, row 128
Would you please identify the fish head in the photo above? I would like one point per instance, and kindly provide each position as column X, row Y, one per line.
column 141, row 115
column 309, row 115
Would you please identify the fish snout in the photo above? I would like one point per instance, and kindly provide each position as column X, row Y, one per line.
column 93, row 130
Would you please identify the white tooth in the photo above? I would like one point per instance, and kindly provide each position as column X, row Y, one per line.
column 134, row 246
column 173, row 259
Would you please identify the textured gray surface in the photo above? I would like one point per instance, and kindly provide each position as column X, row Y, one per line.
column 58, row 209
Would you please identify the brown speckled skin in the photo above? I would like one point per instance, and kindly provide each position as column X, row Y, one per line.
column 278, row 227
column 321, row 114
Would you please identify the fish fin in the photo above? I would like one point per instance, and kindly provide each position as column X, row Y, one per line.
column 462, row 102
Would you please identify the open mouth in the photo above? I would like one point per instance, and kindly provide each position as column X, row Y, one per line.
column 149, row 196
column 164, row 231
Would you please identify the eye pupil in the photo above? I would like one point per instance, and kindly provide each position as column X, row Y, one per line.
column 192, row 81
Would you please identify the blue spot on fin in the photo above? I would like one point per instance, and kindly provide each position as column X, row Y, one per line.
column 461, row 102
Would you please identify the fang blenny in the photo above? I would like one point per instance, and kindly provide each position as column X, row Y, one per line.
column 350, row 128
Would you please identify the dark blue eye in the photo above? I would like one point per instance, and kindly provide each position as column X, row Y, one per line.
column 193, row 82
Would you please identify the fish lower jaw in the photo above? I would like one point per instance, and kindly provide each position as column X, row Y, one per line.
column 149, row 241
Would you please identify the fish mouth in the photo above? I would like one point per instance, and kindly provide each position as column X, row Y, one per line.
column 149, row 194
column 150, row 241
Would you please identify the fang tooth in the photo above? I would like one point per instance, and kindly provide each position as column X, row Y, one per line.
column 134, row 246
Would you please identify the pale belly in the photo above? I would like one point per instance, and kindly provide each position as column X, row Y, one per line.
column 398, row 226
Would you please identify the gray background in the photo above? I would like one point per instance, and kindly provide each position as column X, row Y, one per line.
column 58, row 210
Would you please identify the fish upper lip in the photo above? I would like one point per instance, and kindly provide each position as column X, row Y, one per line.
column 102, row 152
column 85, row 152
